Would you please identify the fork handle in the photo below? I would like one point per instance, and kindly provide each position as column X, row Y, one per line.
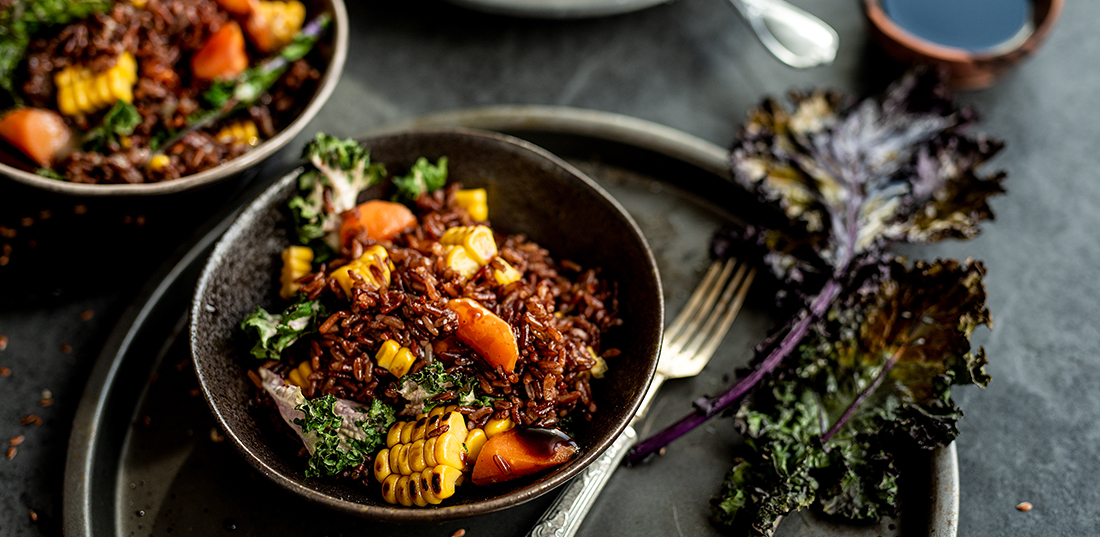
column 564, row 516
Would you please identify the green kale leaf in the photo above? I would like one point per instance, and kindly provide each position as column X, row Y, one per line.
column 423, row 178
column 275, row 332
column 119, row 121
column 343, row 434
column 873, row 377
column 339, row 170
column 423, row 389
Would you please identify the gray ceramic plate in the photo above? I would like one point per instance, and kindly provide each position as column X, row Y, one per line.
column 558, row 9
column 145, row 456
column 332, row 48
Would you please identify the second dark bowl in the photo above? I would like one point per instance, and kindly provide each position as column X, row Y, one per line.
column 530, row 192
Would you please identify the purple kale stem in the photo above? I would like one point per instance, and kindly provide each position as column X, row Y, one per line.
column 707, row 408
column 862, row 396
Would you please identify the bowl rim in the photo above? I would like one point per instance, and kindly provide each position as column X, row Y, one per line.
column 400, row 514
column 876, row 14
column 234, row 166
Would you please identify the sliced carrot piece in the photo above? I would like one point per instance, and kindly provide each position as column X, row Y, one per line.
column 222, row 56
column 238, row 7
column 39, row 133
column 376, row 219
column 486, row 333
column 521, row 451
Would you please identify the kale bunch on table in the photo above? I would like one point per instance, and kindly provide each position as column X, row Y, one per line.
column 843, row 181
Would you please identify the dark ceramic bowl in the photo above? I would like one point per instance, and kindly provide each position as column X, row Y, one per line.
column 530, row 192
column 331, row 49
column 966, row 69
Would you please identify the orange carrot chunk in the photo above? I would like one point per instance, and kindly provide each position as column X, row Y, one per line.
column 39, row 133
column 238, row 7
column 376, row 219
column 519, row 452
column 222, row 56
column 486, row 333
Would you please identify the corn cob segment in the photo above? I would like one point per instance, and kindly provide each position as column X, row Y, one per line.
column 394, row 358
column 299, row 376
column 475, row 201
column 424, row 460
column 458, row 259
column 297, row 262
column 373, row 267
column 478, row 241
column 80, row 91
column 503, row 272
column 240, row 132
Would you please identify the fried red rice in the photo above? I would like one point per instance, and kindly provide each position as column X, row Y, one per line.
column 556, row 310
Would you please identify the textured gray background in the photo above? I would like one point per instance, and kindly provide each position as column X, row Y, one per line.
column 1033, row 435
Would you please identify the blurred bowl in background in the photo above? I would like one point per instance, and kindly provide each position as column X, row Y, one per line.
column 966, row 45
column 331, row 50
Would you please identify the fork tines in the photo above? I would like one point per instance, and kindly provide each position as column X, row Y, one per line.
column 702, row 324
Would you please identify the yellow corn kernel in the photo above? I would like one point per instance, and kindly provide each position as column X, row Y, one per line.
column 416, row 493
column 429, row 452
column 299, row 376
column 458, row 259
column 382, row 468
column 494, row 427
column 478, row 241
column 600, row 368
column 419, row 429
column 504, row 273
column 426, row 487
column 416, row 456
column 450, row 451
column 138, row 3
column 80, row 91
column 406, row 432
column 402, row 491
column 284, row 18
column 375, row 258
column 475, row 440
column 441, row 410
column 240, row 132
column 455, row 424
column 443, row 481
column 297, row 262
column 389, row 488
column 393, row 437
column 394, row 358
column 159, row 162
column 475, row 201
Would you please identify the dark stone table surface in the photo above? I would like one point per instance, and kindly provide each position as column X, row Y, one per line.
column 72, row 266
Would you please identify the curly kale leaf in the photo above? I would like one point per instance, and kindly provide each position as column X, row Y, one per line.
column 340, row 170
column 433, row 385
column 873, row 376
column 342, row 434
column 423, row 178
column 853, row 179
column 275, row 332
column 119, row 121
column 848, row 181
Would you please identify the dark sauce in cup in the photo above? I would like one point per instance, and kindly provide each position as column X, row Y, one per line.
column 975, row 25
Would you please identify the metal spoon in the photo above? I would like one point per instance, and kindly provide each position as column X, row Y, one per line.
column 796, row 37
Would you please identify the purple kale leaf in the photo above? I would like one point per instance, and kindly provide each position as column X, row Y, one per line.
column 872, row 379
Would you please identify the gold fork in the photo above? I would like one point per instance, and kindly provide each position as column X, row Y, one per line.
column 688, row 344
